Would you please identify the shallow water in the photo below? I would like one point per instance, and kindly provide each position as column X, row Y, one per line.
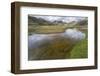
column 53, row 46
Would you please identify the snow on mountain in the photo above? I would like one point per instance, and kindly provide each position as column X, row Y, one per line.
column 65, row 19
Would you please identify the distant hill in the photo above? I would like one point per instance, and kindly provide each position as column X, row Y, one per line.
column 32, row 20
column 82, row 22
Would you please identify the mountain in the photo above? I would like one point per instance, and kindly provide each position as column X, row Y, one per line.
column 32, row 20
column 56, row 20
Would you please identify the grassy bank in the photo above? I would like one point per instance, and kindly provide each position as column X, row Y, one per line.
column 81, row 49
